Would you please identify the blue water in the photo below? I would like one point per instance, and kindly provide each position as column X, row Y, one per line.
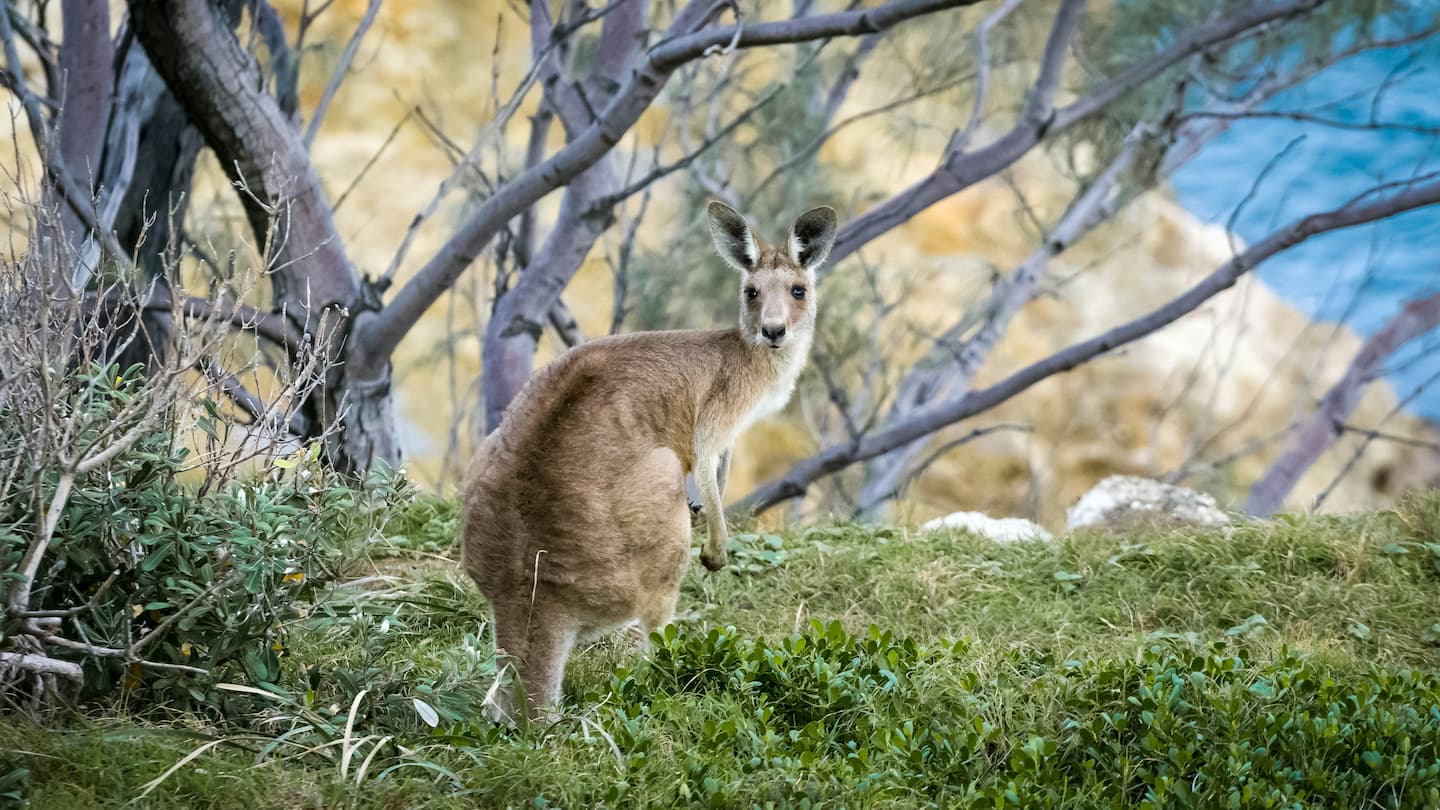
column 1359, row 276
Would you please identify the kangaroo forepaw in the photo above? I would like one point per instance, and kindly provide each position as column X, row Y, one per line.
column 696, row 509
column 714, row 561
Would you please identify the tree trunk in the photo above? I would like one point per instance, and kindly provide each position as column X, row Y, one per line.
column 85, row 92
column 146, row 169
column 219, row 86
column 149, row 164
column 513, row 333
column 511, row 336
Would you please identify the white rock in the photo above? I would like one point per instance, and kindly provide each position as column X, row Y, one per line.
column 1001, row 530
column 1122, row 497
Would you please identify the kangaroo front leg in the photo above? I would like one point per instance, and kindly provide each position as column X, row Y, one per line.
column 707, row 479
column 722, row 471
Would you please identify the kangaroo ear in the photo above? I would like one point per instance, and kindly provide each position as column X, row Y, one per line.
column 732, row 237
column 811, row 236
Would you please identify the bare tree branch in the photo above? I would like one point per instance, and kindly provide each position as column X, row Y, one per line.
column 961, row 169
column 342, row 68
column 1369, row 437
column 931, row 382
column 269, row 325
column 1327, row 423
column 565, row 325
column 649, row 76
column 840, row 90
column 1310, row 118
column 1375, row 204
column 982, row 81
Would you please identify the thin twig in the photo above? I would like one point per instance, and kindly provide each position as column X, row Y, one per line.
column 341, row 69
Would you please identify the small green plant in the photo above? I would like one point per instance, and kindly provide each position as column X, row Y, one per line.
column 752, row 553
column 157, row 589
column 12, row 787
column 423, row 523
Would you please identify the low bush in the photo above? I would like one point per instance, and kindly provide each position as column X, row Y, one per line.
column 160, row 589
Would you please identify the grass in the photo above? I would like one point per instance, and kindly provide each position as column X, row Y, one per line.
column 1161, row 665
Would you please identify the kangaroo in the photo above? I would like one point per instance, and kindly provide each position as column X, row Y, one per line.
column 576, row 520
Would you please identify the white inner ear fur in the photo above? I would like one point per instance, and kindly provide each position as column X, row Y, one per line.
column 797, row 246
column 752, row 250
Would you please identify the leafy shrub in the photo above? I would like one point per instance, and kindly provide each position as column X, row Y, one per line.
column 167, row 588
column 424, row 523
column 826, row 714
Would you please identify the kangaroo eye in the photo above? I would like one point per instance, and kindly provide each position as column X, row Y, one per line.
column 798, row 292
column 750, row 293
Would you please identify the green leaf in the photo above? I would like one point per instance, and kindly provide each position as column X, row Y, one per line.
column 427, row 713
column 1251, row 624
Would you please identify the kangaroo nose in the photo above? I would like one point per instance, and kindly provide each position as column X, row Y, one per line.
column 773, row 332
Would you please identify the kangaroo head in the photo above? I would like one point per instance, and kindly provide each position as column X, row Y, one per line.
column 777, row 289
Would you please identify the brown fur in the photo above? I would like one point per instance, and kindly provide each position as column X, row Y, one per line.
column 576, row 521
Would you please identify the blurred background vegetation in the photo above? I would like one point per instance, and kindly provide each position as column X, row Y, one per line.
column 1196, row 397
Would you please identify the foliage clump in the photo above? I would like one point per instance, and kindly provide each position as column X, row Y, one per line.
column 159, row 588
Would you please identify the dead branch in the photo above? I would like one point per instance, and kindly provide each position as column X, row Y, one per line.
column 624, row 109
column 1327, row 423
column 1369, row 437
column 1310, row 118
column 959, row 170
column 342, row 69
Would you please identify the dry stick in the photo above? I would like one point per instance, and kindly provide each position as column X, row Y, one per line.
column 982, row 82
column 134, row 650
column 1308, row 118
column 849, row 74
column 244, row 399
column 622, row 265
column 272, row 326
column 370, row 163
column 1423, row 191
column 90, row 603
column 1326, row 424
column 106, row 652
column 42, row 665
column 1365, row 444
column 1408, row 441
column 30, row 565
column 341, row 69
column 915, row 472
column 820, row 140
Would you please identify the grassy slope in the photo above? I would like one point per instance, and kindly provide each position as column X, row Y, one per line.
column 1348, row 594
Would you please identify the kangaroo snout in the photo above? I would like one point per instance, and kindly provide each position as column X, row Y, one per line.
column 773, row 333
